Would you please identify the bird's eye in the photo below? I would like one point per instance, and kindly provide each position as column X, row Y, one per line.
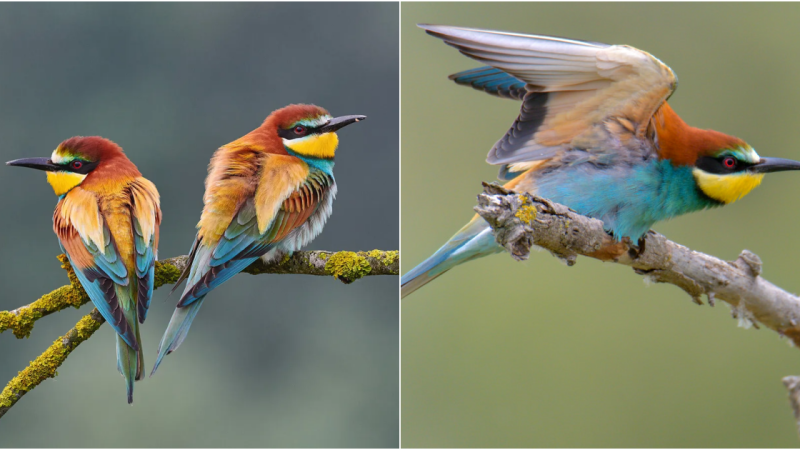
column 76, row 164
column 299, row 130
column 729, row 162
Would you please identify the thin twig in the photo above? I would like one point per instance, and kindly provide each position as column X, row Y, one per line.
column 792, row 384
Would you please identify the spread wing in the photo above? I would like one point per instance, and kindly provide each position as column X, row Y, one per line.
column 286, row 196
column 97, row 261
column 572, row 89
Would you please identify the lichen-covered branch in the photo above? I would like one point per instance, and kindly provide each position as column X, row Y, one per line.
column 521, row 221
column 345, row 266
column 47, row 364
column 21, row 320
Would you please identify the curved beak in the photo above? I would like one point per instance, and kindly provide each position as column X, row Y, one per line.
column 35, row 163
column 340, row 122
column 767, row 165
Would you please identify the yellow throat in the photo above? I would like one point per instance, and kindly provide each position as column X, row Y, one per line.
column 63, row 182
column 315, row 145
column 727, row 188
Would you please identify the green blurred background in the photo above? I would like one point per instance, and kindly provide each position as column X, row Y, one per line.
column 497, row 353
column 272, row 360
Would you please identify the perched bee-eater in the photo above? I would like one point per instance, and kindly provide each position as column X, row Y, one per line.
column 596, row 134
column 107, row 220
column 268, row 193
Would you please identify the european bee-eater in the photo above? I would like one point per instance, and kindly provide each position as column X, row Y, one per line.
column 107, row 221
column 596, row 134
column 268, row 193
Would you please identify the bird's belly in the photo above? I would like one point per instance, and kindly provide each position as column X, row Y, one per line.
column 305, row 233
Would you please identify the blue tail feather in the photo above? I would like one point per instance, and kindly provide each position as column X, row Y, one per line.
column 474, row 240
column 177, row 330
column 130, row 363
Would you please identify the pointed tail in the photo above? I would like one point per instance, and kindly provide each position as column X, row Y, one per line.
column 130, row 361
column 177, row 330
column 473, row 241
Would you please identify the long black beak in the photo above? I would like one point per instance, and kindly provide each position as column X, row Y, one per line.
column 767, row 165
column 35, row 163
column 340, row 122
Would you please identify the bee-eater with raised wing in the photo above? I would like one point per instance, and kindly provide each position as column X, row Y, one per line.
column 268, row 193
column 107, row 221
column 596, row 134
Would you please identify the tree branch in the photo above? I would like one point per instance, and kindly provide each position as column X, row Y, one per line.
column 345, row 266
column 47, row 364
column 521, row 221
column 21, row 320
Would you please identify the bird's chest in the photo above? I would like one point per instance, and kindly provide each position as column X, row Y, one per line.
column 628, row 198
column 319, row 192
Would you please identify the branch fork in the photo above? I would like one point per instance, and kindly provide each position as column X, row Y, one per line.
column 345, row 266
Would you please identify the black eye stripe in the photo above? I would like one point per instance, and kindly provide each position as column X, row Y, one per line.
column 290, row 133
column 718, row 166
column 86, row 166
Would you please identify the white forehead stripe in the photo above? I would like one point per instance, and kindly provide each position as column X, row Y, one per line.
column 754, row 158
column 321, row 120
column 56, row 158
column 60, row 159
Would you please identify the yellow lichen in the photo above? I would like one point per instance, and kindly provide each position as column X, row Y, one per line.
column 165, row 274
column 286, row 257
column 347, row 266
column 386, row 257
column 390, row 257
column 526, row 213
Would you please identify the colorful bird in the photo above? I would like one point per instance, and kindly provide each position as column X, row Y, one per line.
column 595, row 133
column 107, row 221
column 268, row 193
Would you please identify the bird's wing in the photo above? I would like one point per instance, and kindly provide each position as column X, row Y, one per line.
column 572, row 88
column 286, row 196
column 492, row 81
column 94, row 256
column 146, row 218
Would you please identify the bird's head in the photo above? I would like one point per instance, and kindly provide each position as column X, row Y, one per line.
column 78, row 158
column 730, row 173
column 309, row 130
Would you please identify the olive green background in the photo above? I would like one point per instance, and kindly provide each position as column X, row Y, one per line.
column 271, row 360
column 497, row 353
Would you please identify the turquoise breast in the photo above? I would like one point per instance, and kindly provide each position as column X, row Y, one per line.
column 628, row 199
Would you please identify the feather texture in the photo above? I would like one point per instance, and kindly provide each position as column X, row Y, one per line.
column 588, row 84
column 112, row 241
column 262, row 199
column 594, row 133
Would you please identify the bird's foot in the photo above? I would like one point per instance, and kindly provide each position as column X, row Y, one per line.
column 635, row 251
